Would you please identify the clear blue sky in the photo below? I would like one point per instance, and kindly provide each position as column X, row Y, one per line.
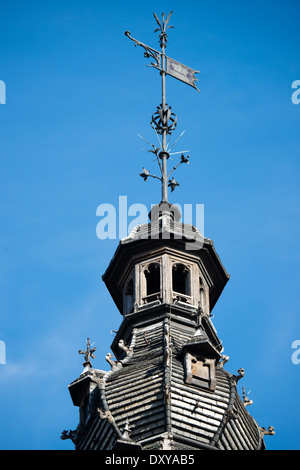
column 77, row 95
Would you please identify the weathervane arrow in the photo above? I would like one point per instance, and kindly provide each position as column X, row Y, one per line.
column 163, row 120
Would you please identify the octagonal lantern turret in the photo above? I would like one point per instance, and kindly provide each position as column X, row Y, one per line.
column 165, row 261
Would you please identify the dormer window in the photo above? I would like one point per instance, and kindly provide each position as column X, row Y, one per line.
column 181, row 282
column 200, row 371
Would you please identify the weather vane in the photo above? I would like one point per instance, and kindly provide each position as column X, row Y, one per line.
column 164, row 121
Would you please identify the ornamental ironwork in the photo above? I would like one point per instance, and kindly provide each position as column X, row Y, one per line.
column 164, row 121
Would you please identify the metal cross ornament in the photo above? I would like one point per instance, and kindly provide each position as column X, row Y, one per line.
column 164, row 121
column 88, row 354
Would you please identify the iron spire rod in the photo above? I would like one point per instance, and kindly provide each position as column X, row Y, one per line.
column 164, row 154
column 164, row 121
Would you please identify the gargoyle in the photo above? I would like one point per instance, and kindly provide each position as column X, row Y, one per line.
column 126, row 349
column 236, row 378
column 68, row 435
column 108, row 358
column 267, row 432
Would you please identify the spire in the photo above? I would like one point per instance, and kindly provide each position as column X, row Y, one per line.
column 164, row 121
column 166, row 388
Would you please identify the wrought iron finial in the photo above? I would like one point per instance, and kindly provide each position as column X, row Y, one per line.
column 88, row 354
column 162, row 27
column 164, row 121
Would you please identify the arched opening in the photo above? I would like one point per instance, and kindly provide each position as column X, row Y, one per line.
column 152, row 275
column 201, row 294
column 181, row 282
column 128, row 296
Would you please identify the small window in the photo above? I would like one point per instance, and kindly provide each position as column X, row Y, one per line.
column 152, row 274
column 152, row 285
column 201, row 294
column 181, row 279
column 128, row 296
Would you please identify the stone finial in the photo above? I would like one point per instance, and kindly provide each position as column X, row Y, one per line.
column 108, row 358
column 246, row 400
column 267, row 432
column 126, row 431
column 167, row 441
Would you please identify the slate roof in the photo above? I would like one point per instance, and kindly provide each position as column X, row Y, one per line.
column 152, row 399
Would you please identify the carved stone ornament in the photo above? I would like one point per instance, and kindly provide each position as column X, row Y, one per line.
column 230, row 414
column 223, row 361
column 267, row 432
column 167, row 441
column 246, row 399
column 236, row 378
column 68, row 435
column 167, row 350
column 112, row 363
column 126, row 431
column 127, row 349
column 105, row 414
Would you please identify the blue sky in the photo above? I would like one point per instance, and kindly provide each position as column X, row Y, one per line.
column 77, row 96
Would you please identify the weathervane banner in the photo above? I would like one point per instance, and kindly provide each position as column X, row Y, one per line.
column 181, row 72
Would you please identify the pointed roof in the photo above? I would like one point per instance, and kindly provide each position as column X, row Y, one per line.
column 146, row 392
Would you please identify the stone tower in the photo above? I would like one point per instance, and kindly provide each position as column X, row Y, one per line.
column 166, row 387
